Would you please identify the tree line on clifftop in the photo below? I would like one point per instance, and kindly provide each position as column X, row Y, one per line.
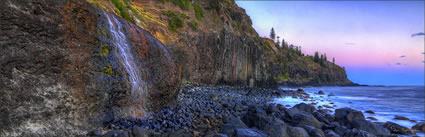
column 318, row 58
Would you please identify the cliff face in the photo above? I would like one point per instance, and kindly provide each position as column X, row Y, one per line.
column 291, row 68
column 221, row 48
column 67, row 68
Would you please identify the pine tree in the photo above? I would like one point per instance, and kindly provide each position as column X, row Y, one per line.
column 326, row 58
column 277, row 41
column 272, row 34
column 316, row 57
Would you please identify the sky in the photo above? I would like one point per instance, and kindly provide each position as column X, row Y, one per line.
column 371, row 39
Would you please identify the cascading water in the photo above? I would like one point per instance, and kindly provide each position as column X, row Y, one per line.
column 123, row 53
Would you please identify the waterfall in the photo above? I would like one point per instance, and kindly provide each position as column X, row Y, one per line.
column 123, row 53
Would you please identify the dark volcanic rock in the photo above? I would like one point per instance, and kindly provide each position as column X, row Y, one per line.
column 397, row 129
column 332, row 134
column 358, row 133
column 61, row 72
column 303, row 118
column 276, row 129
column 248, row 132
column 346, row 115
column 420, row 127
column 369, row 127
column 305, row 107
column 229, row 127
column 256, row 117
column 297, row 132
column 314, row 132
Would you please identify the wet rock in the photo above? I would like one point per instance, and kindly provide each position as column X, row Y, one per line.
column 341, row 130
column 370, row 112
column 346, row 115
column 248, row 132
column 305, row 107
column 370, row 127
column 271, row 108
column 320, row 92
column 256, row 117
column 332, row 134
column 320, row 117
column 297, row 132
column 400, row 117
column 276, row 129
column 229, row 127
column 220, row 135
column 331, row 94
column 140, row 132
column 420, row 127
column 303, row 118
column 398, row 129
column 358, row 133
column 371, row 118
column 313, row 132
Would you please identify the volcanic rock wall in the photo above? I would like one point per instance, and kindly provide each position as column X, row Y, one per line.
column 61, row 74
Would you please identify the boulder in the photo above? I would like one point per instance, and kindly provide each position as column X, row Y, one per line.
column 398, row 129
column 321, row 92
column 256, row 117
column 400, row 117
column 220, row 135
column 358, row 133
column 229, row 127
column 140, row 132
column 321, row 117
column 370, row 127
column 305, row 107
column 303, row 118
column 248, row 132
column 419, row 126
column 277, row 128
column 346, row 115
column 341, row 130
column 297, row 132
column 313, row 132
column 332, row 134
column 272, row 108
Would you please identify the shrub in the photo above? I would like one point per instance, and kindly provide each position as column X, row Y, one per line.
column 122, row 10
column 193, row 24
column 199, row 12
column 176, row 20
column 183, row 4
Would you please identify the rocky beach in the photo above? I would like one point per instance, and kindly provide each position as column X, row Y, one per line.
column 164, row 68
column 224, row 111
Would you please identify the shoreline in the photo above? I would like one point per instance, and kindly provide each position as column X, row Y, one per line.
column 202, row 110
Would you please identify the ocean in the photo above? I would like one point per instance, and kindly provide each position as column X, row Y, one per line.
column 385, row 101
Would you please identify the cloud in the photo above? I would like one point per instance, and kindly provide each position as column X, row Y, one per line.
column 402, row 56
column 398, row 63
column 350, row 43
column 418, row 34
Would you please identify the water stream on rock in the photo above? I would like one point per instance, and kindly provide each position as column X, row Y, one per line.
column 125, row 57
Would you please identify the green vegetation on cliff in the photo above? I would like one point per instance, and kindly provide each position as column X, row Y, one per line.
column 122, row 10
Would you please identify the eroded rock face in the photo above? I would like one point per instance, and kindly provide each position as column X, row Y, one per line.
column 60, row 74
